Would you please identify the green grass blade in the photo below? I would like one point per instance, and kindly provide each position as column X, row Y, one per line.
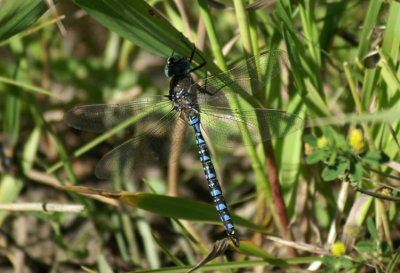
column 212, row 35
column 103, row 265
column 371, row 77
column 135, row 21
column 381, row 116
column 11, row 185
column 369, row 23
column 289, row 155
column 30, row 150
column 243, row 22
column 10, row 188
column 181, row 208
column 167, row 252
column 17, row 15
column 333, row 14
column 391, row 39
column 139, row 23
column 26, row 86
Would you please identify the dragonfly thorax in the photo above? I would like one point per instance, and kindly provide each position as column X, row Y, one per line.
column 176, row 65
column 183, row 94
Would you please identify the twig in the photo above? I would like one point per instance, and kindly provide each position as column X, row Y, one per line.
column 46, row 207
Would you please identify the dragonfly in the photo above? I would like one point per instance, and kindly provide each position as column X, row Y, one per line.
column 6, row 158
column 203, row 105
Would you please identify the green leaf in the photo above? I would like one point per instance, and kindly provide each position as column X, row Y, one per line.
column 254, row 250
column 329, row 134
column 330, row 260
column 345, row 263
column 355, row 169
column 366, row 247
column 385, row 249
column 17, row 15
column 318, row 155
column 181, row 208
column 374, row 157
column 141, row 24
column 340, row 141
column 334, row 171
column 12, row 115
column 310, row 139
column 135, row 21
column 370, row 21
column 333, row 158
column 10, row 187
column 372, row 229
column 394, row 263
column 371, row 77
column 103, row 264
column 332, row 264
column 30, row 150
column 391, row 39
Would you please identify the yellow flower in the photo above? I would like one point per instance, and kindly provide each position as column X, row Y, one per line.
column 322, row 142
column 308, row 149
column 338, row 249
column 357, row 140
column 385, row 191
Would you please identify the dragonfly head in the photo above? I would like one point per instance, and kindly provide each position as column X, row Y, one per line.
column 176, row 65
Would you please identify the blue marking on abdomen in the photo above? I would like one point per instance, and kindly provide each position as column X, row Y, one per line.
column 220, row 206
column 200, row 141
column 210, row 176
column 215, row 192
column 196, row 125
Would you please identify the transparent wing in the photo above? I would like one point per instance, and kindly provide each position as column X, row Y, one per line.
column 221, row 124
column 248, row 76
column 151, row 145
column 101, row 117
column 155, row 119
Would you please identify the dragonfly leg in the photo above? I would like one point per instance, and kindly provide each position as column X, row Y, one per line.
column 203, row 89
column 173, row 52
column 193, row 47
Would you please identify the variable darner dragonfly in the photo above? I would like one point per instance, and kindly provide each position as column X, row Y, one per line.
column 7, row 159
column 204, row 106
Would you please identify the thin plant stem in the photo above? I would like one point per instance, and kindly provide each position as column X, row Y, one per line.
column 212, row 34
column 180, row 128
column 45, row 207
column 176, row 151
column 243, row 22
